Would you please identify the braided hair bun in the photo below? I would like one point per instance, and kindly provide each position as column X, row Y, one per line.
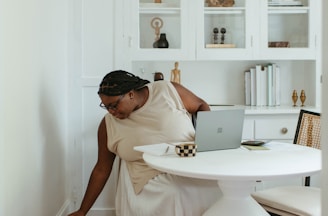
column 120, row 82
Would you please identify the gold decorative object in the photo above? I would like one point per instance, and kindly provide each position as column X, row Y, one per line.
column 158, row 1
column 220, row 3
column 294, row 97
column 156, row 23
column 302, row 97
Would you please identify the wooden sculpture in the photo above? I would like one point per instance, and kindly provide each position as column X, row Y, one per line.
column 175, row 73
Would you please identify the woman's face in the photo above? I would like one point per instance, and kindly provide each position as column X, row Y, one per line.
column 119, row 106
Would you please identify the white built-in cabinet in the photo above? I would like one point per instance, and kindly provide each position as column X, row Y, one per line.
column 217, row 74
column 250, row 26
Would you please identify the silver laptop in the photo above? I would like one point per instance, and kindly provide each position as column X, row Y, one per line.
column 219, row 130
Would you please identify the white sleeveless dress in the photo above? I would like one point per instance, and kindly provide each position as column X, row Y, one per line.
column 142, row 190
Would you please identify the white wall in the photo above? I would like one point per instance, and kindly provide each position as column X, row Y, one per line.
column 33, row 67
column 325, row 109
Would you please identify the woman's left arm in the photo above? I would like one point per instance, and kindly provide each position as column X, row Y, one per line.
column 191, row 102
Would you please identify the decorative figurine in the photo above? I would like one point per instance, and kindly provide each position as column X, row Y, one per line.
column 294, row 97
column 175, row 73
column 302, row 97
column 215, row 36
column 156, row 23
column 158, row 76
column 222, row 31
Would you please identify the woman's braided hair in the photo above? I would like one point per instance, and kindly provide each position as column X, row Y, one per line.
column 120, row 82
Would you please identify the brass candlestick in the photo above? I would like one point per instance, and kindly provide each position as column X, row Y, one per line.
column 294, row 97
column 302, row 97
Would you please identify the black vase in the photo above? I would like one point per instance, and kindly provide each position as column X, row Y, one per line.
column 155, row 44
column 162, row 42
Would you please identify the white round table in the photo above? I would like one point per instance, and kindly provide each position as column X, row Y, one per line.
column 237, row 171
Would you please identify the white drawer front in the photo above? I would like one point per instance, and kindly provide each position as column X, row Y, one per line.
column 280, row 128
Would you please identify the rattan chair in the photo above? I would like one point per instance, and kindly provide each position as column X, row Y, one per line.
column 296, row 200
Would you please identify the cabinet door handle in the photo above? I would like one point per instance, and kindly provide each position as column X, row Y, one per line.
column 284, row 130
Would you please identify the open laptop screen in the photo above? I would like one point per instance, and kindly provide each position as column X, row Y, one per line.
column 219, row 129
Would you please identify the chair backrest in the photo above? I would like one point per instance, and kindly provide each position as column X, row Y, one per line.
column 308, row 132
column 308, row 129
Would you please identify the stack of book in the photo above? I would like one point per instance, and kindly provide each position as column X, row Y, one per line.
column 262, row 85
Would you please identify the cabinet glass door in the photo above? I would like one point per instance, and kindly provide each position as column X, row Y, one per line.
column 155, row 20
column 223, row 31
column 290, row 32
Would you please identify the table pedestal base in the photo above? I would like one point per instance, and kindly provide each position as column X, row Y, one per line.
column 236, row 200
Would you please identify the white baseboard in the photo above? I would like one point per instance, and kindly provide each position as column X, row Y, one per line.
column 65, row 209
column 102, row 212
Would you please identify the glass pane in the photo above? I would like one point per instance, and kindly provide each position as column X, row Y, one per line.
column 288, row 25
column 225, row 26
column 158, row 18
column 230, row 28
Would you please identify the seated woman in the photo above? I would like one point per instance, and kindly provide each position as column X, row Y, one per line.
column 141, row 113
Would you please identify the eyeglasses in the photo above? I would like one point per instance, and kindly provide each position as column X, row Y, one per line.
column 112, row 106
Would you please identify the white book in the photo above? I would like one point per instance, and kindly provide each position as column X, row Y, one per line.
column 247, row 88
column 253, row 86
column 258, row 84
column 277, row 85
column 274, row 84
column 269, row 85
column 264, row 86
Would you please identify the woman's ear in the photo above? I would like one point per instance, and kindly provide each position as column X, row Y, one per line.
column 131, row 94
